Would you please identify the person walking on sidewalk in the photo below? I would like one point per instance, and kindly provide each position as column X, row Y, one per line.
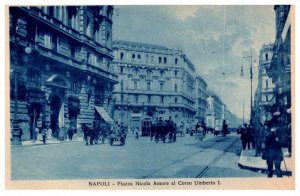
column 273, row 153
column 244, row 136
column 44, row 134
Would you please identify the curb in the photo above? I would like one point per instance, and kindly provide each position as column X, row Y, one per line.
column 263, row 170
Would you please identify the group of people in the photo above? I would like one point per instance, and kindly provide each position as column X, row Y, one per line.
column 270, row 146
column 247, row 136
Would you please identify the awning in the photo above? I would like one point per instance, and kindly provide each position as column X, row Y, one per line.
column 104, row 114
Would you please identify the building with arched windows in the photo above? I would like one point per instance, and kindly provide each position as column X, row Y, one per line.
column 264, row 96
column 60, row 67
column 154, row 82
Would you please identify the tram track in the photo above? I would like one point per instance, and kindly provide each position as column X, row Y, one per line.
column 192, row 155
column 201, row 174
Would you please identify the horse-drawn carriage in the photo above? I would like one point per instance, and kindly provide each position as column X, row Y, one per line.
column 162, row 131
column 102, row 132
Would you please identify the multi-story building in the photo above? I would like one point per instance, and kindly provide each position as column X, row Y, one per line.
column 201, row 97
column 214, row 114
column 280, row 70
column 264, row 96
column 60, row 67
column 154, row 82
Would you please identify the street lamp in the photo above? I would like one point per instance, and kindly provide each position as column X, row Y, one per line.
column 251, row 59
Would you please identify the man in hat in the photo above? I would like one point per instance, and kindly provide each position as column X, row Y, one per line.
column 273, row 152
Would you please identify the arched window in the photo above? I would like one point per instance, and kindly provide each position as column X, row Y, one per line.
column 165, row 60
column 135, row 72
column 121, row 55
column 148, row 73
column 159, row 59
column 148, row 86
column 176, row 61
column 266, row 55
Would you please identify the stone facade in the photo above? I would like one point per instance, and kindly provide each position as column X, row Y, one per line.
column 264, row 96
column 154, row 82
column 60, row 62
column 280, row 72
column 201, row 97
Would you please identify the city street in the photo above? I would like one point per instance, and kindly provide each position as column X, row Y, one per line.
column 215, row 156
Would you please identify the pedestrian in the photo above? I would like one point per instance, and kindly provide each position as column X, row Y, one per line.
column 36, row 131
column 44, row 134
column 244, row 136
column 250, row 132
column 273, row 153
column 49, row 132
column 70, row 133
column 136, row 131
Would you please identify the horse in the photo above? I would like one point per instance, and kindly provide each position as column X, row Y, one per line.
column 89, row 134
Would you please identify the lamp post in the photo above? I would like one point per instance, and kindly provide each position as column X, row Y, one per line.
column 251, row 59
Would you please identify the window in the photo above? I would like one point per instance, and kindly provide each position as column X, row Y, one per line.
column 33, row 76
column 165, row 60
column 152, row 59
column 75, row 87
column 133, row 56
column 147, row 56
column 161, row 87
column 148, row 73
column 175, row 87
column 148, row 85
column 175, row 73
column 175, row 99
column 122, row 98
column 47, row 40
column 266, row 56
column 176, row 61
column 121, row 55
column 162, row 73
column 135, row 85
column 267, row 84
column 149, row 98
column 121, row 69
column 161, row 99
column 122, row 85
column 107, row 35
column 267, row 98
column 159, row 59
column 139, row 56
column 135, row 72
column 136, row 98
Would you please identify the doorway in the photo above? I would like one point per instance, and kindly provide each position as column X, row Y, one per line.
column 57, row 114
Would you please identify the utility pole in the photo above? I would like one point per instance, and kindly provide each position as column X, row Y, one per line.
column 251, row 59
column 243, row 112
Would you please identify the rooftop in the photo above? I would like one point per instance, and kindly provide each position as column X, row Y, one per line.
column 139, row 45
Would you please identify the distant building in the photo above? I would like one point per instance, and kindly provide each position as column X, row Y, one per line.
column 201, row 96
column 154, row 82
column 60, row 67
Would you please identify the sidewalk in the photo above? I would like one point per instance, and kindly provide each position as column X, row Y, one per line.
column 50, row 141
column 249, row 161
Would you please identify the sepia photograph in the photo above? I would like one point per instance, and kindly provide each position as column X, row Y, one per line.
column 150, row 97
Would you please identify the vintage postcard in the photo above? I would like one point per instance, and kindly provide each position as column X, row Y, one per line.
column 150, row 97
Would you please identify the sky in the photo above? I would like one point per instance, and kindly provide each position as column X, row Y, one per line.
column 214, row 38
